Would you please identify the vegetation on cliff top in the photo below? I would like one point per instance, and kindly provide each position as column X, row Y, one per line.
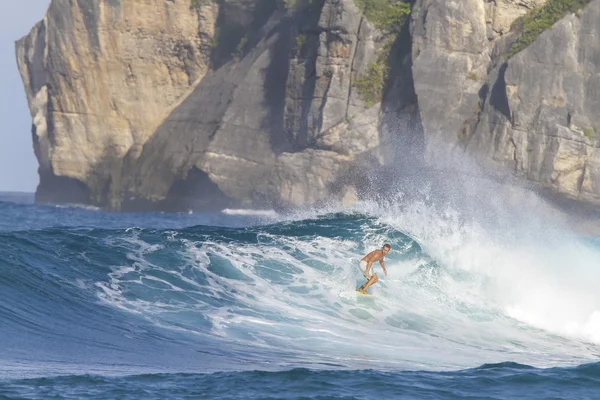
column 590, row 133
column 386, row 15
column 531, row 25
column 370, row 85
column 299, row 4
column 389, row 16
column 196, row 4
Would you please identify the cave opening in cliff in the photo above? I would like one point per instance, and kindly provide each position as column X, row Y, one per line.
column 195, row 192
column 54, row 189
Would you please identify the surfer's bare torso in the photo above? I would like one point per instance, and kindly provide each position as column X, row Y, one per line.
column 375, row 255
column 366, row 264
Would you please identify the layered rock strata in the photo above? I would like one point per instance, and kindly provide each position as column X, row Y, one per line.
column 177, row 105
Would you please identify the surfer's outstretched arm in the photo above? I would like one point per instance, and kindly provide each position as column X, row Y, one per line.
column 383, row 266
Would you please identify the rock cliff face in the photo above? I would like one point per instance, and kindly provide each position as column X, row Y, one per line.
column 453, row 47
column 271, row 128
column 534, row 113
column 541, row 118
column 141, row 105
column 100, row 76
column 137, row 106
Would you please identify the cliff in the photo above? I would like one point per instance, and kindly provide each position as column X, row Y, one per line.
column 541, row 117
column 100, row 77
column 176, row 105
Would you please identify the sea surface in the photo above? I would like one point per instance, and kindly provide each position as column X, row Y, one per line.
column 256, row 305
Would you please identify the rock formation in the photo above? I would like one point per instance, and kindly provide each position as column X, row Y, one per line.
column 541, row 117
column 231, row 130
column 100, row 76
column 135, row 105
column 176, row 105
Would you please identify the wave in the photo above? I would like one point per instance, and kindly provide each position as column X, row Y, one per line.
column 282, row 295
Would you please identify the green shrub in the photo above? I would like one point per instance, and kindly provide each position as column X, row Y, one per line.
column 387, row 15
column 530, row 26
column 195, row 4
column 239, row 49
column 472, row 76
column 590, row 133
column 299, row 4
column 300, row 42
column 288, row 4
column 370, row 85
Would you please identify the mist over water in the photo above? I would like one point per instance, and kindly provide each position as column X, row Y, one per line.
column 515, row 250
column 519, row 251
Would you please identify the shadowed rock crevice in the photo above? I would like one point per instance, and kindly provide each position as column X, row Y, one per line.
column 303, row 53
column 238, row 28
column 400, row 76
column 90, row 12
column 275, row 85
column 300, row 134
column 498, row 97
column 401, row 132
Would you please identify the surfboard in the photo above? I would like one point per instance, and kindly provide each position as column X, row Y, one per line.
column 363, row 294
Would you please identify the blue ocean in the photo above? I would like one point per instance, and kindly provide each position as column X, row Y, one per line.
column 500, row 303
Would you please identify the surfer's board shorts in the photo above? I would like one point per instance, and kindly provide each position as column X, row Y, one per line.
column 363, row 269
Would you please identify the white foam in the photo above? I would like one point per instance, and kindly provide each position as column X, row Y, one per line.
column 546, row 278
column 297, row 295
column 500, row 278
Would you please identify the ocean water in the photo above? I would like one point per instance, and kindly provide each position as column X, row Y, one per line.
column 500, row 304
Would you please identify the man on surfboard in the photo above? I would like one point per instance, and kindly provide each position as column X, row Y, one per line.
column 365, row 267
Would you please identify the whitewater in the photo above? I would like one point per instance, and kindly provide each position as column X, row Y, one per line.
column 491, row 301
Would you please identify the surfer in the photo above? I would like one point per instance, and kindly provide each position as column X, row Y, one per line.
column 367, row 262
